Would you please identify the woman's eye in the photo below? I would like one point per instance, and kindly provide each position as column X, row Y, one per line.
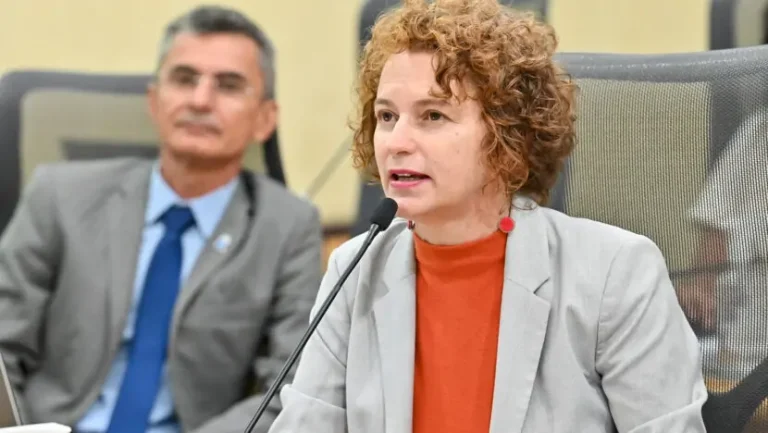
column 386, row 116
column 434, row 116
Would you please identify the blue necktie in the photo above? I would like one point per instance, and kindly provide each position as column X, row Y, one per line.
column 147, row 352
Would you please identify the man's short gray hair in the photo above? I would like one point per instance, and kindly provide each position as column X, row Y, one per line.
column 216, row 19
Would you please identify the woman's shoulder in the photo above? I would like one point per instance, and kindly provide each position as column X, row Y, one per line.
column 614, row 267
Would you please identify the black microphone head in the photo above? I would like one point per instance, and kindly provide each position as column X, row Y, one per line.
column 384, row 213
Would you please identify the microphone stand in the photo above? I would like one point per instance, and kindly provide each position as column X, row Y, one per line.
column 380, row 220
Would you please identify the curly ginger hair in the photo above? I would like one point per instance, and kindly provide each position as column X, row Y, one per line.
column 506, row 56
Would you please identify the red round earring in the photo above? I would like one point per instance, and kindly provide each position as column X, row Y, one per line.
column 411, row 225
column 506, row 224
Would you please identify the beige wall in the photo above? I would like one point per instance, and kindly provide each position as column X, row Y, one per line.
column 631, row 26
column 315, row 64
column 316, row 49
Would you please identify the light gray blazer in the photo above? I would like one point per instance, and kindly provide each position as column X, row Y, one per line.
column 67, row 264
column 591, row 338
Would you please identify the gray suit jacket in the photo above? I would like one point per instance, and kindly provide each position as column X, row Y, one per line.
column 67, row 263
column 591, row 338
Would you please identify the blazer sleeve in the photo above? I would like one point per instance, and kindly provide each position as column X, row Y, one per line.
column 30, row 252
column 647, row 354
column 315, row 402
column 296, row 288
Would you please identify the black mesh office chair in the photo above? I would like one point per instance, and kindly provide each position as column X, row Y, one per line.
column 721, row 24
column 675, row 147
column 48, row 116
column 737, row 23
column 370, row 194
column 747, row 21
column 538, row 7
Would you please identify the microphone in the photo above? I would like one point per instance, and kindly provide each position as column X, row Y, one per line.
column 380, row 220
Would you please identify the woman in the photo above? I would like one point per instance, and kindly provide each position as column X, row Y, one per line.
column 480, row 310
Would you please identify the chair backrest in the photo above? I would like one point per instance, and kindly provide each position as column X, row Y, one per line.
column 538, row 7
column 675, row 147
column 370, row 194
column 737, row 23
column 49, row 116
column 721, row 24
column 368, row 14
column 749, row 22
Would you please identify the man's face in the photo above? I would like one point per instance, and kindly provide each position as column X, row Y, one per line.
column 208, row 102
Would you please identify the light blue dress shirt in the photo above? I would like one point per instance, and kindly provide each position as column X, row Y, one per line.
column 207, row 211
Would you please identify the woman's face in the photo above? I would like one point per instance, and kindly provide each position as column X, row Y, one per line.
column 428, row 150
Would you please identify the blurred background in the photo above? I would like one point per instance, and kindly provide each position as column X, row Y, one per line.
column 317, row 43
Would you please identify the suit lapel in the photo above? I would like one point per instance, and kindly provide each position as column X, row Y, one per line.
column 523, row 323
column 234, row 223
column 395, row 318
column 125, row 211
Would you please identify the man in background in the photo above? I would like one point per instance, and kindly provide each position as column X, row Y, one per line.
column 148, row 296
column 726, row 294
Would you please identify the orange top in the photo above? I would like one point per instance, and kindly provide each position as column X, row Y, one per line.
column 458, row 307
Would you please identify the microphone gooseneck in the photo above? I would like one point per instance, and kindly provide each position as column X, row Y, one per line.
column 380, row 220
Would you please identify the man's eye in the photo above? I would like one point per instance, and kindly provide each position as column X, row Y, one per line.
column 231, row 85
column 183, row 79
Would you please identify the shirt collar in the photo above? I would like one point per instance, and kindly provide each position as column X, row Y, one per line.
column 206, row 209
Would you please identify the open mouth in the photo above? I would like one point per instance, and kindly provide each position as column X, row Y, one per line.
column 408, row 177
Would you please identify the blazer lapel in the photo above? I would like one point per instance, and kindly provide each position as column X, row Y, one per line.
column 125, row 211
column 524, row 319
column 234, row 223
column 395, row 318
